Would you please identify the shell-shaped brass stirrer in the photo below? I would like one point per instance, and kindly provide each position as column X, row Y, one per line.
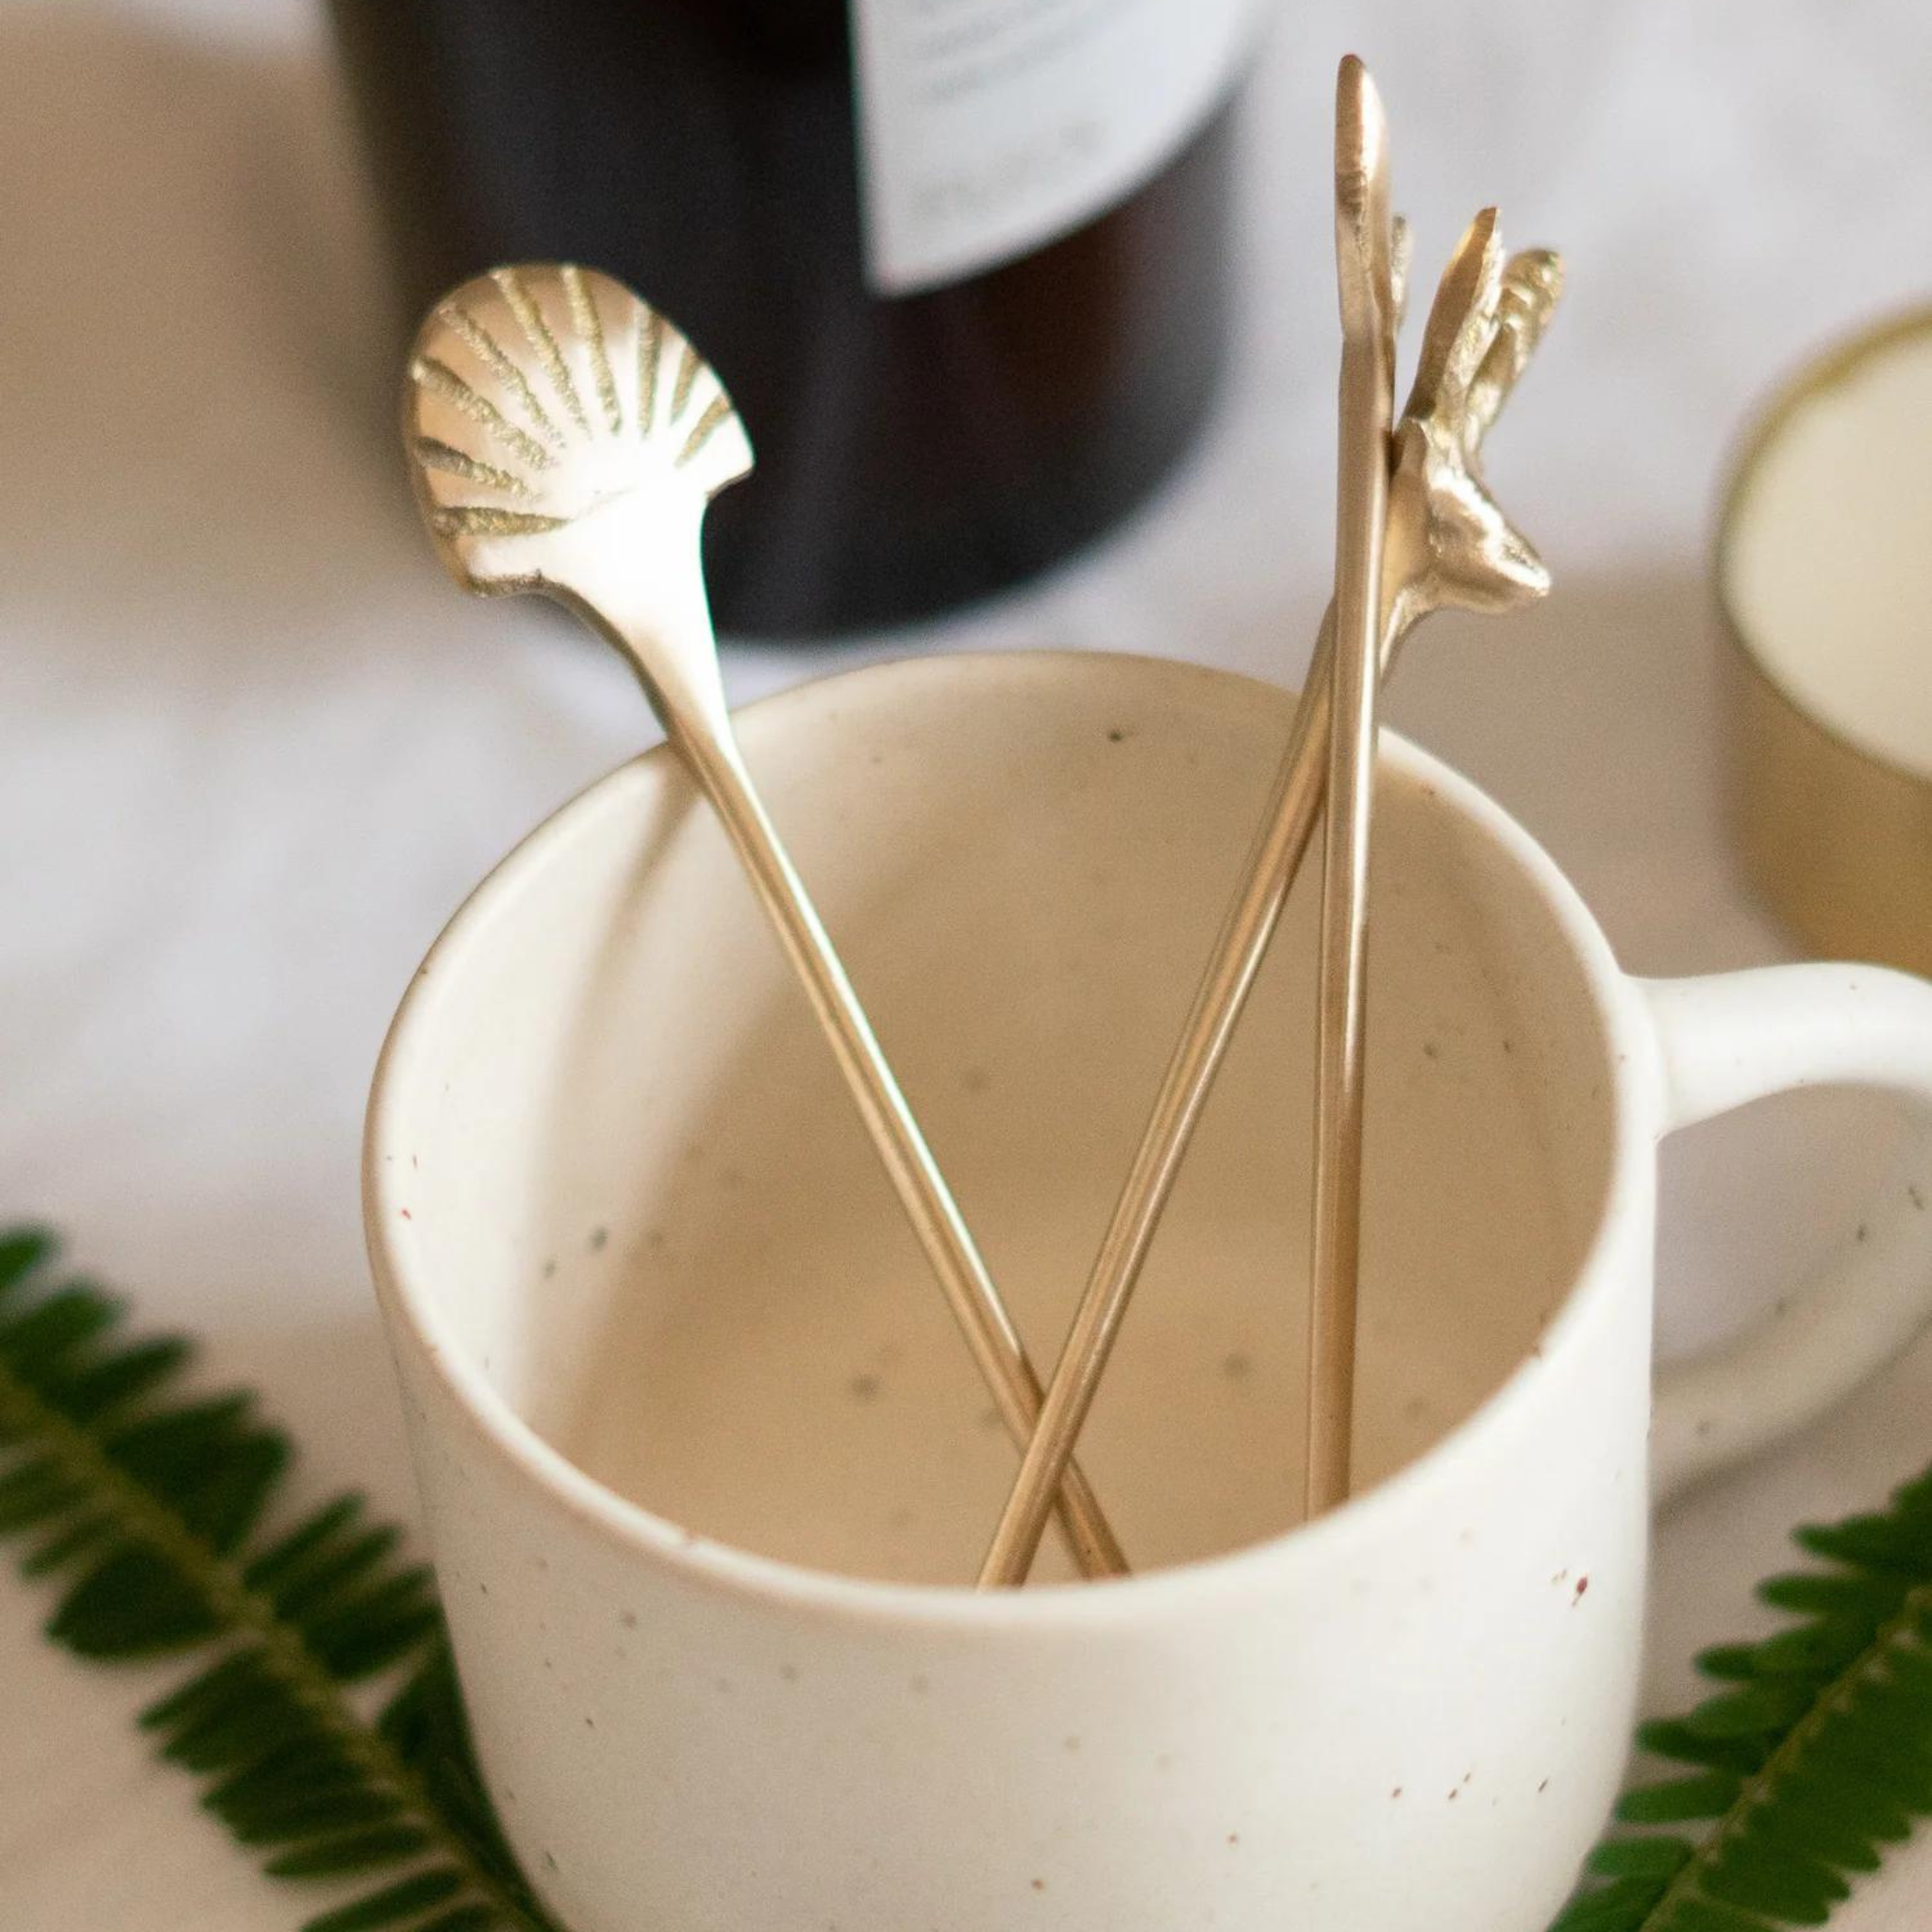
column 566, row 438
column 1446, row 546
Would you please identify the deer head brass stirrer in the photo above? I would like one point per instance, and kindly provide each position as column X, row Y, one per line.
column 1447, row 546
column 566, row 439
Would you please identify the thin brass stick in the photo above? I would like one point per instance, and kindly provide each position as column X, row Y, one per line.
column 1367, row 408
column 908, row 1162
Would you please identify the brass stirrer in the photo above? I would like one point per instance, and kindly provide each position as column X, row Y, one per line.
column 1365, row 273
column 1447, row 546
column 566, row 439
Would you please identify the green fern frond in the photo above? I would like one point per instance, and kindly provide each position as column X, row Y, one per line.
column 151, row 1509
column 1815, row 1756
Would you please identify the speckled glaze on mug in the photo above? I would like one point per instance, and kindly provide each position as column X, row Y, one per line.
column 705, row 1467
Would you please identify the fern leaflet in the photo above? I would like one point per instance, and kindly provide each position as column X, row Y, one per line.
column 1815, row 1756
column 150, row 1507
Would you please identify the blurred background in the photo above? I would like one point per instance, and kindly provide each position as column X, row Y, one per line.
column 254, row 748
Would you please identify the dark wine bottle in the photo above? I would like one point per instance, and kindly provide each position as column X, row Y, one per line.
column 968, row 289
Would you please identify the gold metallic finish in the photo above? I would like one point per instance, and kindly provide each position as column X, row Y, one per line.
column 1532, row 283
column 440, row 456
column 440, row 378
column 1401, row 254
column 612, row 532
column 650, row 353
column 501, row 364
column 1447, row 546
column 1835, row 838
column 583, row 315
column 542, row 339
column 1364, row 261
column 483, row 520
column 716, row 410
column 1454, row 548
column 688, row 367
column 463, row 382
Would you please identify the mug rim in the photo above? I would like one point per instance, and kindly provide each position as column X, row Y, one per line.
column 412, row 1313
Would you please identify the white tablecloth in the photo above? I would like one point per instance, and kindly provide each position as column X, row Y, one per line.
column 253, row 748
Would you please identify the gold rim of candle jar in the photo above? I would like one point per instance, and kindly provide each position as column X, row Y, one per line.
column 1835, row 839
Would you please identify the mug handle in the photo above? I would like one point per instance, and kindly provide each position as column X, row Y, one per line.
column 1736, row 1037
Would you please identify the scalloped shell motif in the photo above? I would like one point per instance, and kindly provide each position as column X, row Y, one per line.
column 539, row 393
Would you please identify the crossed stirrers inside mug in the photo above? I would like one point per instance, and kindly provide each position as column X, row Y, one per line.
column 566, row 439
column 1445, row 544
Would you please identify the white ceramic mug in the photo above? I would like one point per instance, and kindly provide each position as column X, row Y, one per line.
column 700, row 1448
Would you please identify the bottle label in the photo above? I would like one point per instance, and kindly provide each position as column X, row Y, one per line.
column 988, row 127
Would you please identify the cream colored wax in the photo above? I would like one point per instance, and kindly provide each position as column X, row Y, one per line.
column 1829, row 560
